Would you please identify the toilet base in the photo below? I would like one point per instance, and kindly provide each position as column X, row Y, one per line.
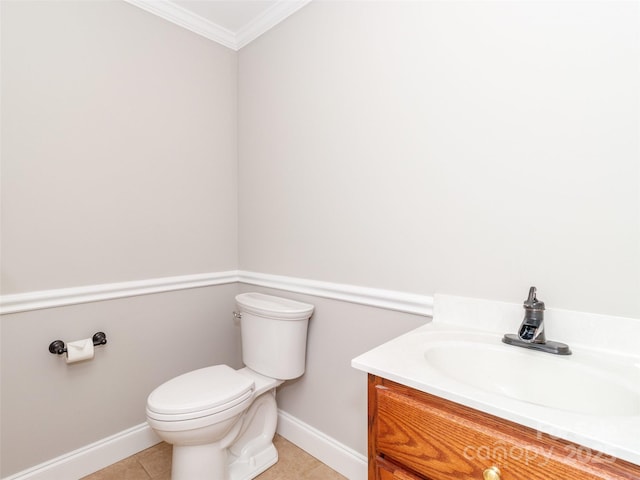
column 244, row 451
column 253, row 451
column 199, row 462
column 246, row 469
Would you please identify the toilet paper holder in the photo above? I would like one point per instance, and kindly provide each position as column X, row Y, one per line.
column 58, row 347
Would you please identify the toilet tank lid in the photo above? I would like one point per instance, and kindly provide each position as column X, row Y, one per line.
column 211, row 388
column 273, row 307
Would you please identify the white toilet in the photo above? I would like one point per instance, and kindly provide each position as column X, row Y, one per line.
column 221, row 421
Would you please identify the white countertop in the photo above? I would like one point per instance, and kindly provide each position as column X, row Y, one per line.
column 403, row 360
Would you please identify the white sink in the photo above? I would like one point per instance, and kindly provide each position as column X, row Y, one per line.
column 588, row 383
column 590, row 398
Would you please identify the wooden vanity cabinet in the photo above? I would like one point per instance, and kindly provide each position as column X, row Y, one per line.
column 417, row 436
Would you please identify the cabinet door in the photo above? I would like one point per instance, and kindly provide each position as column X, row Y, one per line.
column 440, row 440
column 389, row 471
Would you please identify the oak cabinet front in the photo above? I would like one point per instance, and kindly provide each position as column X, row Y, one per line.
column 417, row 436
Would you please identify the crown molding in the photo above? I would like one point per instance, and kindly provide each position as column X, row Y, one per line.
column 234, row 40
column 187, row 19
column 267, row 20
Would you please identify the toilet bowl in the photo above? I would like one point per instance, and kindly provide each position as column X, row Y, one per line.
column 221, row 421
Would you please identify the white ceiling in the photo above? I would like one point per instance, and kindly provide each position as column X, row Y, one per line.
column 229, row 14
column 233, row 23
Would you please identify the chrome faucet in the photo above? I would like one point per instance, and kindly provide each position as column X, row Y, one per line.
column 531, row 331
column 532, row 327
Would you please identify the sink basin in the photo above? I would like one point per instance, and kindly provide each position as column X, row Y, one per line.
column 588, row 383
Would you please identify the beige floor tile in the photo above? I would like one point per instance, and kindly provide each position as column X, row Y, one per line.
column 127, row 469
column 322, row 472
column 155, row 464
column 156, row 460
column 296, row 464
column 293, row 456
column 163, row 476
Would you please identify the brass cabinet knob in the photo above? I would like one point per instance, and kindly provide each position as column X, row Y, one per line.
column 491, row 473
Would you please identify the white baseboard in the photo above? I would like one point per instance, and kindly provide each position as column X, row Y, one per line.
column 332, row 453
column 93, row 457
column 101, row 454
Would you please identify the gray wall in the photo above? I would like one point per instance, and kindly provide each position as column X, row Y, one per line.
column 470, row 148
column 331, row 396
column 50, row 408
column 118, row 147
column 466, row 148
column 118, row 164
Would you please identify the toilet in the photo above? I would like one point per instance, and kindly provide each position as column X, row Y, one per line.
column 221, row 421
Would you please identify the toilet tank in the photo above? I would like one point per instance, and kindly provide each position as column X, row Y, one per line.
column 274, row 334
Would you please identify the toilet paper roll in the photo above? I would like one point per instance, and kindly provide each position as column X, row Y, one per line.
column 79, row 350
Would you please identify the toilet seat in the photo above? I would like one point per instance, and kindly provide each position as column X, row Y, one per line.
column 199, row 393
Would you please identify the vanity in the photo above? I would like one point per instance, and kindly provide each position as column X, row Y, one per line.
column 451, row 402
column 414, row 436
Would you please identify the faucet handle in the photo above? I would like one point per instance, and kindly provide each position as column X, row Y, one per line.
column 532, row 301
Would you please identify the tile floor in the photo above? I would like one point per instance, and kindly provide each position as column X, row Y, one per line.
column 155, row 464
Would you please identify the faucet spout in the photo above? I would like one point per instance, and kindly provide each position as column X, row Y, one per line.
column 531, row 299
column 531, row 332
column 532, row 327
